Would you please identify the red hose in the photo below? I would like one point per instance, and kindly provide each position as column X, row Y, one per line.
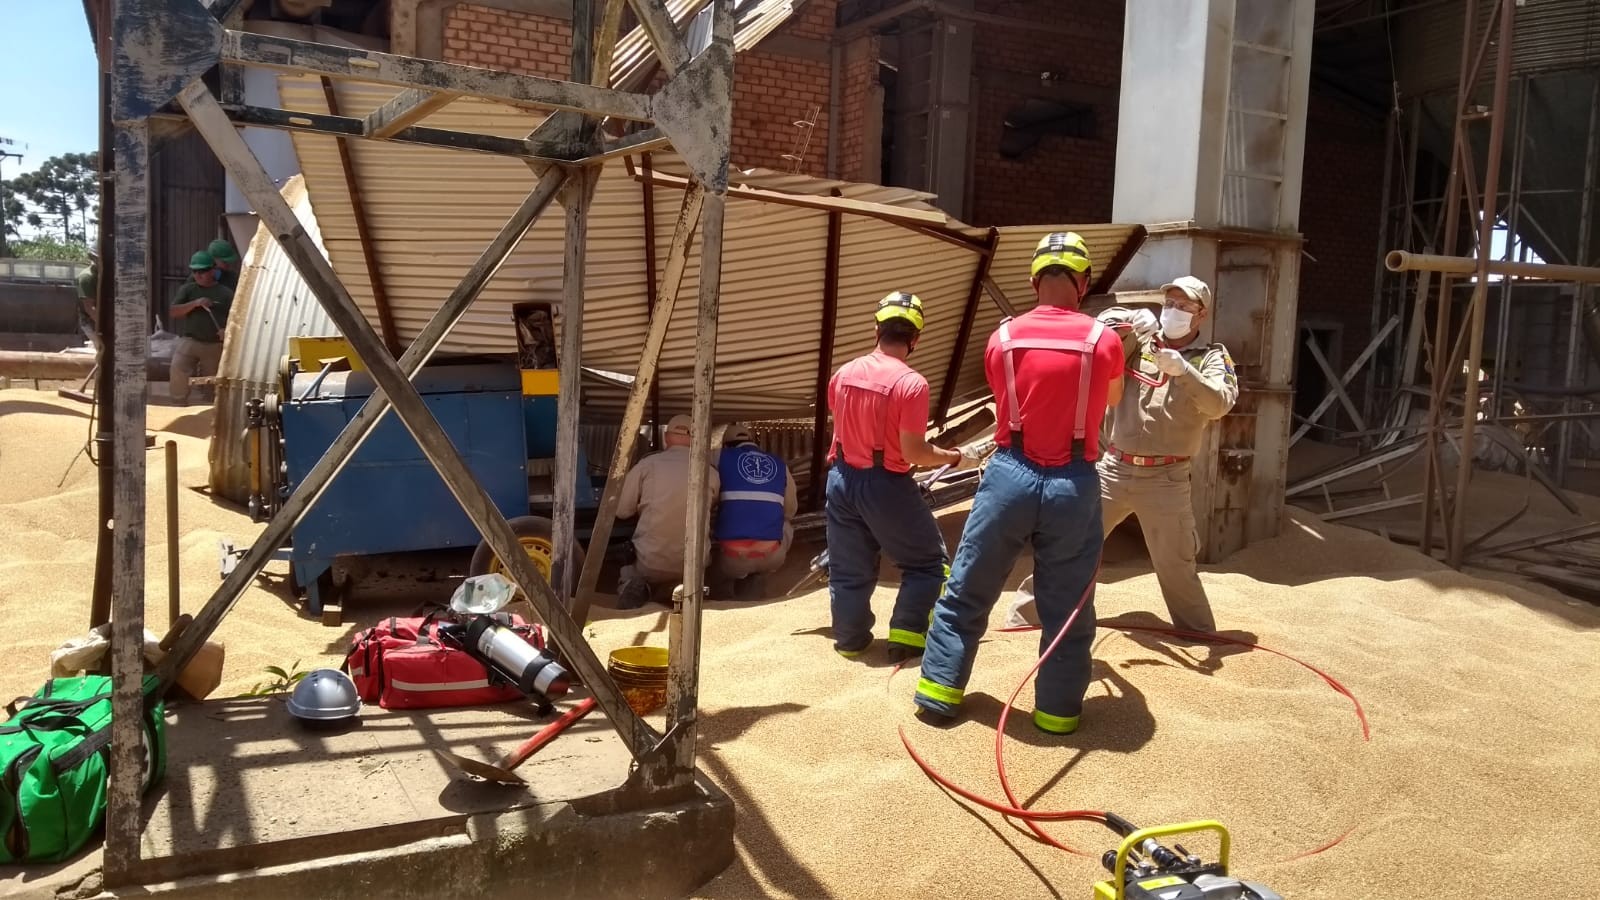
column 1031, row 818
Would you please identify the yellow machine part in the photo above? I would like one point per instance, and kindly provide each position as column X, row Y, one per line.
column 314, row 351
column 541, row 382
column 1114, row 889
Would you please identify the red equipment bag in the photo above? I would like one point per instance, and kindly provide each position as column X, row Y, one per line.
column 401, row 663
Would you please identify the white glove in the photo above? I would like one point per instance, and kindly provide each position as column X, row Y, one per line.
column 1145, row 324
column 1170, row 361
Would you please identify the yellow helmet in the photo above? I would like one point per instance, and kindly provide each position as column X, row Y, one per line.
column 1062, row 248
column 900, row 305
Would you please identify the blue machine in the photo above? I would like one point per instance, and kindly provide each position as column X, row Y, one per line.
column 388, row 498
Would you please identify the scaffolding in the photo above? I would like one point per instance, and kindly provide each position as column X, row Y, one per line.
column 161, row 55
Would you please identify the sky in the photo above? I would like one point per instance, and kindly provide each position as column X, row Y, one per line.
column 49, row 90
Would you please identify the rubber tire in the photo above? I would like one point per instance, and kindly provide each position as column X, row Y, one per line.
column 483, row 558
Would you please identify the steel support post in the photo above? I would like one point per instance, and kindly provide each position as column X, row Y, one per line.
column 1432, row 481
column 1513, row 213
column 369, row 245
column 128, row 356
column 828, row 334
column 947, row 391
column 247, row 172
column 1479, row 310
column 650, row 288
column 1580, row 303
column 633, row 413
column 1391, row 133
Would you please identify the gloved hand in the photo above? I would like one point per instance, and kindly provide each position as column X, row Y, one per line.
column 1145, row 324
column 971, row 457
column 1170, row 361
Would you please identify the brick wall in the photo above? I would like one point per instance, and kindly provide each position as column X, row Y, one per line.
column 1066, row 179
column 862, row 102
column 1339, row 218
column 513, row 41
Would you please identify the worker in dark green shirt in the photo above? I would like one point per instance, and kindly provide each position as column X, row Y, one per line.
column 199, row 315
column 227, row 263
column 88, row 293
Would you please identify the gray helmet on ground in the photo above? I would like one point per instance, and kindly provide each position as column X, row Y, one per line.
column 325, row 695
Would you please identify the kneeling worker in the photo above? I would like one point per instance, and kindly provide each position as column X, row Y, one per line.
column 656, row 490
column 1053, row 372
column 880, row 430
column 1155, row 431
column 754, row 512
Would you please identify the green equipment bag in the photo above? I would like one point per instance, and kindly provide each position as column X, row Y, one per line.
column 54, row 764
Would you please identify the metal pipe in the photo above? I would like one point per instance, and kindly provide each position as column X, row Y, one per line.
column 1479, row 309
column 1390, row 135
column 1581, row 304
column 1401, row 261
column 174, row 607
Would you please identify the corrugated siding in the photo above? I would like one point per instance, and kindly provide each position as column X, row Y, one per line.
column 273, row 304
column 1015, row 254
column 1550, row 35
column 432, row 211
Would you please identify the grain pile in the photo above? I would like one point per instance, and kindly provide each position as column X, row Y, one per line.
column 1481, row 697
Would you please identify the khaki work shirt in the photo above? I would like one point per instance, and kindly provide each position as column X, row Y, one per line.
column 1169, row 420
column 656, row 490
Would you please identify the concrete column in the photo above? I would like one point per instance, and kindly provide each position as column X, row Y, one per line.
column 1211, row 140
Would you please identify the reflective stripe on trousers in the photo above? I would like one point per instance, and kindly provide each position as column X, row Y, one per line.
column 1057, row 509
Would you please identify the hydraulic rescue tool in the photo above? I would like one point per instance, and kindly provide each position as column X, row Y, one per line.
column 1142, row 868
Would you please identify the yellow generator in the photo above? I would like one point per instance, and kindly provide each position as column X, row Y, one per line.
column 1143, row 868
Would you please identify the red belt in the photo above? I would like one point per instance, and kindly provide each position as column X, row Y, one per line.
column 1145, row 461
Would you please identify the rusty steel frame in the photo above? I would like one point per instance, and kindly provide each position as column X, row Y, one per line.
column 160, row 50
column 828, row 335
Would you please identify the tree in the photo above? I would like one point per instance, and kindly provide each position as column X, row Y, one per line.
column 63, row 189
column 50, row 247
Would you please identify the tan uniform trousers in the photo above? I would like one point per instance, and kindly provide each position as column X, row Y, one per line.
column 191, row 359
column 1159, row 496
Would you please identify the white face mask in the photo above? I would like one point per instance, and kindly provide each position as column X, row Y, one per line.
column 1176, row 323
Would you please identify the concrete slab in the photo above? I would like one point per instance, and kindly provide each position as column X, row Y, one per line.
column 257, row 804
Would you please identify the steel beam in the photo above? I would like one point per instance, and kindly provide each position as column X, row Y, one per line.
column 999, row 297
column 369, row 245
column 633, row 413
column 124, row 820
column 292, row 55
column 395, row 383
column 1479, row 308
column 650, row 290
column 605, row 41
column 1574, row 369
column 1336, row 385
column 1349, row 373
column 638, row 142
column 406, row 109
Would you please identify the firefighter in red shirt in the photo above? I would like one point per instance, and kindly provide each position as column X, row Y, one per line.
column 1053, row 371
column 880, row 427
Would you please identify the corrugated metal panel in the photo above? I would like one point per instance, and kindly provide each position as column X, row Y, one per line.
column 635, row 58
column 792, row 183
column 273, row 304
column 1015, row 254
column 432, row 211
column 1551, row 35
column 187, row 185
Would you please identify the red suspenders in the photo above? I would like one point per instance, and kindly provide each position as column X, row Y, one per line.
column 1080, row 425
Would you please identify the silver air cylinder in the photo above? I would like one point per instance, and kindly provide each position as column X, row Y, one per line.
column 534, row 671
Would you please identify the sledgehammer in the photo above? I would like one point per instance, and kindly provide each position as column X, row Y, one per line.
column 502, row 771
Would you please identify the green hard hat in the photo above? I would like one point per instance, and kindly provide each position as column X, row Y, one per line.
column 201, row 261
column 222, row 251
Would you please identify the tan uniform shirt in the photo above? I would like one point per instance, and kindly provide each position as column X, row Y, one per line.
column 657, row 491
column 1169, row 420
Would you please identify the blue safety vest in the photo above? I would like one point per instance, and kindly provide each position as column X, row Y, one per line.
column 751, row 505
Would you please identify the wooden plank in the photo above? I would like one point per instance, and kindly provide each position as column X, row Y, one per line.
column 605, row 41
column 638, row 142
column 576, row 197
column 124, row 819
column 683, row 655
column 664, row 36
column 911, row 218
column 407, row 108
column 395, row 384
column 633, row 413
column 369, row 245
column 288, row 54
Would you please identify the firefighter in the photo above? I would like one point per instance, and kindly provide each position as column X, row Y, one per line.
column 880, row 422
column 1053, row 371
column 1155, row 432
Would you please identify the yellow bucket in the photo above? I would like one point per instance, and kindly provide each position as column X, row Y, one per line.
column 641, row 673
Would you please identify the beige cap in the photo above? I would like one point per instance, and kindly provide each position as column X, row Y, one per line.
column 1194, row 287
column 738, row 434
column 680, row 425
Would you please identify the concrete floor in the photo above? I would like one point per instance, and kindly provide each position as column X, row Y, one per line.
column 256, row 804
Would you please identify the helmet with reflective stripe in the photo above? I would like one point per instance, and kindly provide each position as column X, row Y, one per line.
column 1061, row 248
column 900, row 305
